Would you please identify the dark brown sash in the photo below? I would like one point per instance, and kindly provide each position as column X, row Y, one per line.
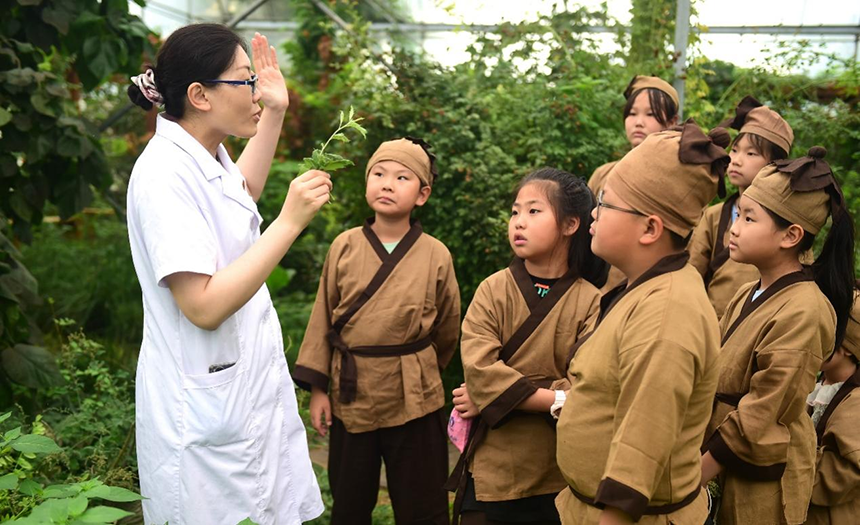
column 348, row 369
column 650, row 510
column 538, row 310
column 720, row 254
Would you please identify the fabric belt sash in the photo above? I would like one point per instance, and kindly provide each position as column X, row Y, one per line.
column 650, row 510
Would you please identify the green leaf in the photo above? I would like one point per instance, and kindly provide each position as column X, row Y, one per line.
column 28, row 487
column 4, row 417
column 35, row 444
column 40, row 104
column 61, row 491
column 102, row 514
column 340, row 137
column 340, row 121
column 247, row 521
column 351, row 112
column 8, row 481
column 121, row 495
column 15, row 433
column 31, row 366
column 279, row 279
column 5, row 117
column 99, row 491
column 78, row 505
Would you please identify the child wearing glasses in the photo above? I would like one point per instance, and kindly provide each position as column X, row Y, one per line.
column 219, row 437
column 643, row 380
column 763, row 138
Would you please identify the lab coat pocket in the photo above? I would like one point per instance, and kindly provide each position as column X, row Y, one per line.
column 216, row 407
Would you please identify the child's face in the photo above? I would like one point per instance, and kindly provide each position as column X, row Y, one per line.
column 755, row 238
column 746, row 162
column 614, row 232
column 641, row 122
column 393, row 190
column 533, row 229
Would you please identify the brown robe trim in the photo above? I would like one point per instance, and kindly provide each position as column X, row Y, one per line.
column 726, row 457
column 750, row 306
column 499, row 411
column 614, row 494
column 348, row 369
column 850, row 384
column 720, row 254
column 668, row 264
column 306, row 378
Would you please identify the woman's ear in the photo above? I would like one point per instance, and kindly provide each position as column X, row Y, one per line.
column 196, row 95
column 791, row 236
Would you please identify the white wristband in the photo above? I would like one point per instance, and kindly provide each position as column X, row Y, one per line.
column 560, row 398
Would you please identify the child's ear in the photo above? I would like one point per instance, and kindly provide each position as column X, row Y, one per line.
column 653, row 230
column 197, row 97
column 571, row 227
column 423, row 195
column 791, row 236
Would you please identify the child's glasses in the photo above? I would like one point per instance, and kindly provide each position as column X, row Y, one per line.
column 251, row 82
column 601, row 204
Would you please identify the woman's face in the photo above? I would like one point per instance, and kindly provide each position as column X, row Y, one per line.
column 235, row 110
column 641, row 121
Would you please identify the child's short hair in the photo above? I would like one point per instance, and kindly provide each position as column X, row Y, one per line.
column 768, row 149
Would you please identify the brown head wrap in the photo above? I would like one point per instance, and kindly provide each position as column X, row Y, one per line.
column 753, row 117
column 412, row 153
column 642, row 82
column 799, row 190
column 673, row 174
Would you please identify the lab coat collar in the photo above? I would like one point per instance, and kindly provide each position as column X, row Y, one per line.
column 209, row 165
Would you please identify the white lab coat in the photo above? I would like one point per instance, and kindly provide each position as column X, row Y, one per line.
column 216, row 447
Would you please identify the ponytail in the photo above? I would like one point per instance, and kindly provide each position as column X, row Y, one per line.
column 834, row 268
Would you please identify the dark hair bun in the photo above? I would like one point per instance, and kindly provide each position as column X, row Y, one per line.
column 817, row 152
column 136, row 96
column 720, row 137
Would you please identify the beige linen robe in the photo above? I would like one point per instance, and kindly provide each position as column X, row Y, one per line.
column 760, row 432
column 709, row 254
column 836, row 492
column 419, row 299
column 516, row 459
column 642, row 390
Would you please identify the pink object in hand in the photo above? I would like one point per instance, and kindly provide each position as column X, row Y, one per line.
column 458, row 430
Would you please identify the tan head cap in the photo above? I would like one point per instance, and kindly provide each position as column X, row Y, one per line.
column 753, row 117
column 642, row 82
column 852, row 332
column 673, row 174
column 801, row 191
column 412, row 153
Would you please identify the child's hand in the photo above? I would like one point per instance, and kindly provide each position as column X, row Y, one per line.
column 320, row 411
column 463, row 403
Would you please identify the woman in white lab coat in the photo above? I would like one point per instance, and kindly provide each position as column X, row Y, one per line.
column 219, row 437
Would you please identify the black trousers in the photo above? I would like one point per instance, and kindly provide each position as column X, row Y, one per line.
column 416, row 467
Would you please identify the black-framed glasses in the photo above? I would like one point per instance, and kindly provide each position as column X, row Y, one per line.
column 251, row 82
column 601, row 204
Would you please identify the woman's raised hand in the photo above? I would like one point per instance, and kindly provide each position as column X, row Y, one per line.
column 270, row 80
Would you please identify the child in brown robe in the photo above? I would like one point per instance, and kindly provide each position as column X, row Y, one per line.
column 776, row 333
column 835, row 409
column 763, row 138
column 652, row 106
column 384, row 324
column 643, row 380
column 517, row 336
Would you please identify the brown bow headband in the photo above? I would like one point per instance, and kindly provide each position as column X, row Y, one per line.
column 434, row 172
column 697, row 148
column 746, row 105
column 811, row 173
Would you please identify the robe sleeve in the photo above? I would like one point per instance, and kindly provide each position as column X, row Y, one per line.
column 494, row 386
column 655, row 372
column 446, row 331
column 837, row 473
column 701, row 245
column 753, row 440
column 313, row 366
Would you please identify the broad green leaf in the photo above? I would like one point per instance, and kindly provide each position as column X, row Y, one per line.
column 98, row 491
column 31, row 366
column 61, row 491
column 40, row 104
column 340, row 137
column 5, row 117
column 28, row 487
column 334, row 165
column 78, row 505
column 4, row 417
column 52, row 511
column 121, row 495
column 247, row 521
column 102, row 514
column 35, row 444
column 15, row 433
column 8, row 481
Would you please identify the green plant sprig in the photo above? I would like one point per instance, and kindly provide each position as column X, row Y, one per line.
column 329, row 162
